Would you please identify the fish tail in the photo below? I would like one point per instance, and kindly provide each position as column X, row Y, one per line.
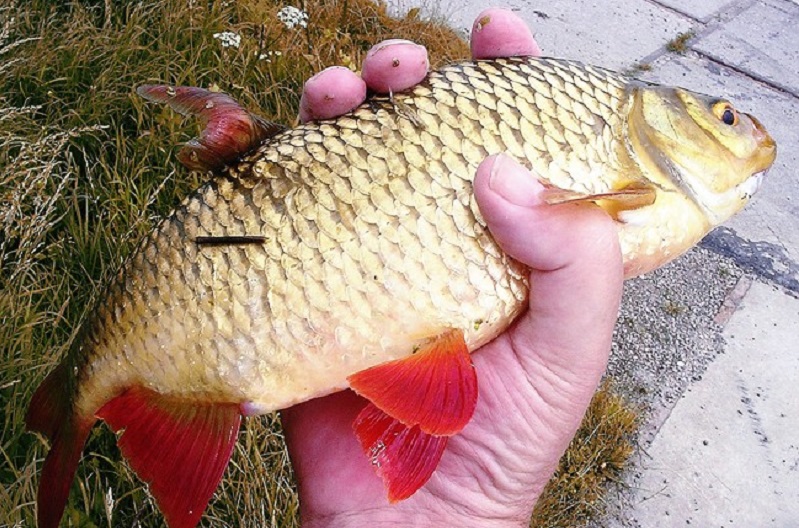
column 51, row 413
column 179, row 447
column 230, row 132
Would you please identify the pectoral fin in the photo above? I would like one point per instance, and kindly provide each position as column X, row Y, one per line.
column 633, row 196
column 416, row 404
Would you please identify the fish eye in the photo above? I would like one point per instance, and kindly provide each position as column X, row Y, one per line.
column 728, row 117
column 726, row 113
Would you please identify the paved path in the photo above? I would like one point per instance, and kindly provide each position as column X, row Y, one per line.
column 710, row 345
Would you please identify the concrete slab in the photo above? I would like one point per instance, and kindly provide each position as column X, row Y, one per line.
column 761, row 40
column 740, row 467
column 771, row 219
column 699, row 10
column 610, row 33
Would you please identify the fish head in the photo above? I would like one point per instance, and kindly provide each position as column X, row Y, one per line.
column 702, row 146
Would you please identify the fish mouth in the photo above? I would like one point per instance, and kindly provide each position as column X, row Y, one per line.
column 763, row 138
column 766, row 148
column 760, row 163
column 719, row 207
column 751, row 185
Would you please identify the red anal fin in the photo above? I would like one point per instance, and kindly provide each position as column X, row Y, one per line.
column 436, row 388
column 229, row 131
column 179, row 447
column 404, row 457
column 51, row 414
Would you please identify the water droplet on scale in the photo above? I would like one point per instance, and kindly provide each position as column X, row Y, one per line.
column 170, row 91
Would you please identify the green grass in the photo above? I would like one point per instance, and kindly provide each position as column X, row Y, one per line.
column 679, row 44
column 87, row 168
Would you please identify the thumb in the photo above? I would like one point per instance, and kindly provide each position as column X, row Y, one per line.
column 576, row 270
column 543, row 236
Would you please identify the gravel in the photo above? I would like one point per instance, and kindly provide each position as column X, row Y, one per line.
column 666, row 336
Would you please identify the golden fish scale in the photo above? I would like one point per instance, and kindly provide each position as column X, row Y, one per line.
column 373, row 240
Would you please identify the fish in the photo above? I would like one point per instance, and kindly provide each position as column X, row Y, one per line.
column 350, row 253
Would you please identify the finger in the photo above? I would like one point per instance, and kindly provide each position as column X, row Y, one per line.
column 395, row 65
column 331, row 93
column 500, row 33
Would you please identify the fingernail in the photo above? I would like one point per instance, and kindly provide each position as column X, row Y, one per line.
column 514, row 183
column 380, row 46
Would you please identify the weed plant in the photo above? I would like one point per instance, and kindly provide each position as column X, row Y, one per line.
column 87, row 168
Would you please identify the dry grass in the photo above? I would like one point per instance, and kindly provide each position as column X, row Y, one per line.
column 679, row 44
column 595, row 458
column 86, row 170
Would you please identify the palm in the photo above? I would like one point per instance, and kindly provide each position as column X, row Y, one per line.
column 535, row 380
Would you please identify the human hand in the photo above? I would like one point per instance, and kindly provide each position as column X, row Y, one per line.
column 396, row 65
column 536, row 379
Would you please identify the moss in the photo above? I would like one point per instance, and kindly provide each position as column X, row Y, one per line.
column 639, row 67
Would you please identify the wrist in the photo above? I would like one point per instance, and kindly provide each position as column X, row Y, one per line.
column 401, row 518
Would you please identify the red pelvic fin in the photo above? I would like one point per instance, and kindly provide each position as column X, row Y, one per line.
column 180, row 448
column 229, row 131
column 436, row 388
column 404, row 457
column 51, row 414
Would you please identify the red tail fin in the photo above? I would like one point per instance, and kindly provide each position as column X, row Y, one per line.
column 51, row 414
column 179, row 447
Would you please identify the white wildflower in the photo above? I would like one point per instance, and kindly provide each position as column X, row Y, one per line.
column 269, row 54
column 228, row 39
column 291, row 16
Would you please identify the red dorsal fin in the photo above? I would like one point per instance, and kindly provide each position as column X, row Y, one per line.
column 179, row 447
column 229, row 131
column 404, row 457
column 436, row 388
column 51, row 414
